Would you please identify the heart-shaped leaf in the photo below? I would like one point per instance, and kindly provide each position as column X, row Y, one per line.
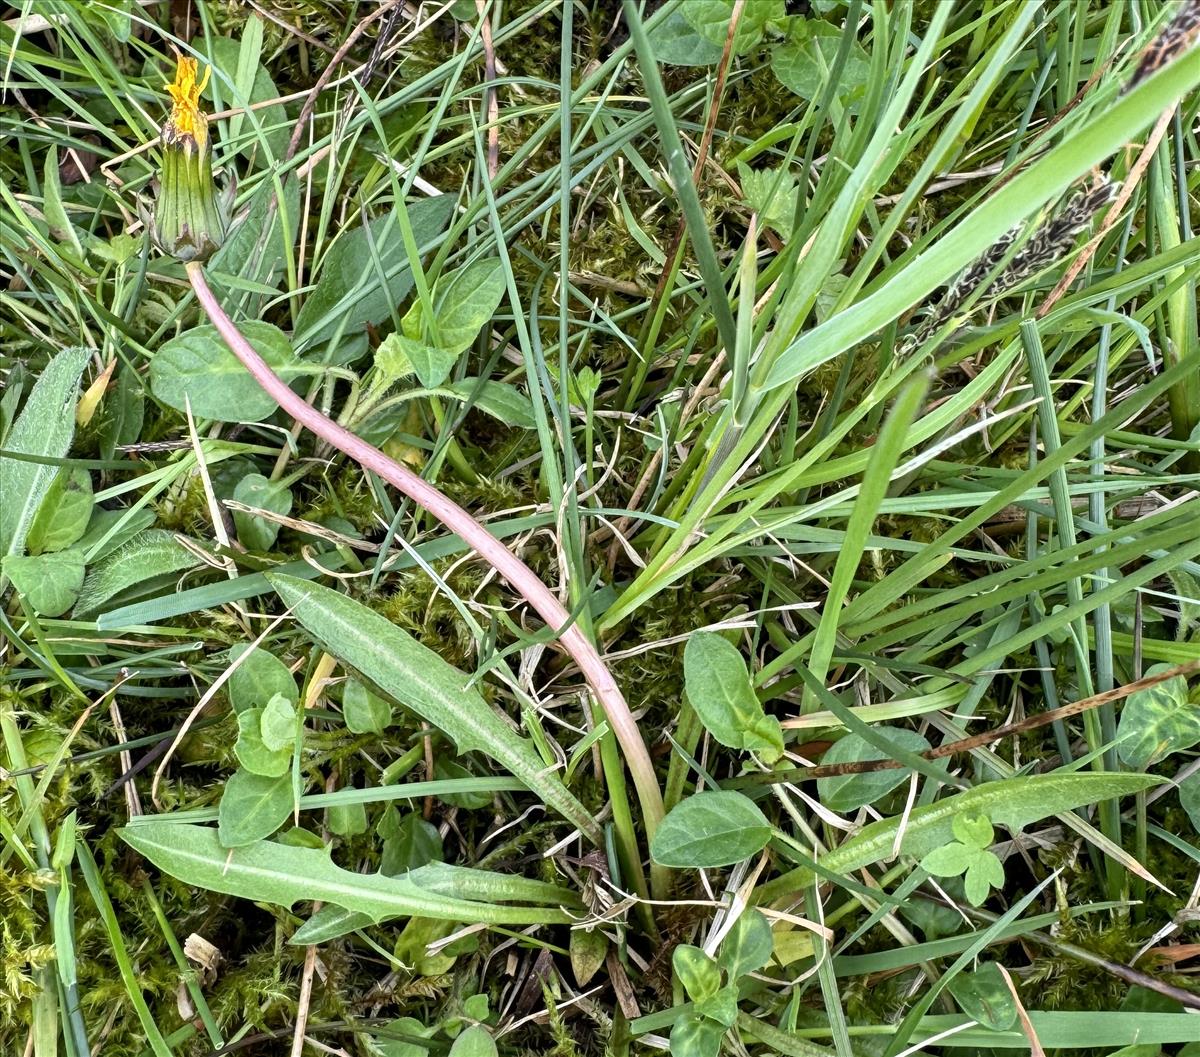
column 747, row 946
column 257, row 533
column 253, row 753
column 64, row 514
column 258, row 678
column 1156, row 722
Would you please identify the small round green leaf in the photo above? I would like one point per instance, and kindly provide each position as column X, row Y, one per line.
column 252, row 753
column 985, row 873
column 710, row 829
column 363, row 711
column 949, row 860
column 278, row 724
column 975, row 831
column 474, row 1042
column 257, row 533
column 694, row 1035
column 258, row 678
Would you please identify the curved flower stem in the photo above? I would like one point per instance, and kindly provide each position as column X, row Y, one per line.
column 523, row 579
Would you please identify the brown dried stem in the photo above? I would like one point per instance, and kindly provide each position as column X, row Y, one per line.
column 988, row 737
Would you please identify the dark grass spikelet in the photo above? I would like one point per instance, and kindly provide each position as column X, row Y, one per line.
column 1177, row 36
column 1049, row 243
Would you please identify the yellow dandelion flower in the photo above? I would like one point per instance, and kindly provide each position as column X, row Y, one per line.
column 187, row 119
column 189, row 222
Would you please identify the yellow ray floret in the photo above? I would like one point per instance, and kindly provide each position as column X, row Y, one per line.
column 187, row 119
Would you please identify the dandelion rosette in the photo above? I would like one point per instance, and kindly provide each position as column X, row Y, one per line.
column 189, row 221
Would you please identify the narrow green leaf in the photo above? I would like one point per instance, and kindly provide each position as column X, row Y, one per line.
column 152, row 553
column 45, row 427
column 780, row 1041
column 419, row 679
column 56, row 214
column 502, row 401
column 270, row 872
column 109, row 530
column 1107, row 131
column 349, row 294
column 1012, row 803
column 328, row 923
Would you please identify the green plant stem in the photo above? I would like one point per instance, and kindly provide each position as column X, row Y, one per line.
column 71, row 1014
column 523, row 579
column 687, row 734
column 1065, row 528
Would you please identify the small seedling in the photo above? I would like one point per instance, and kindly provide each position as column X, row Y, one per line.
column 970, row 854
